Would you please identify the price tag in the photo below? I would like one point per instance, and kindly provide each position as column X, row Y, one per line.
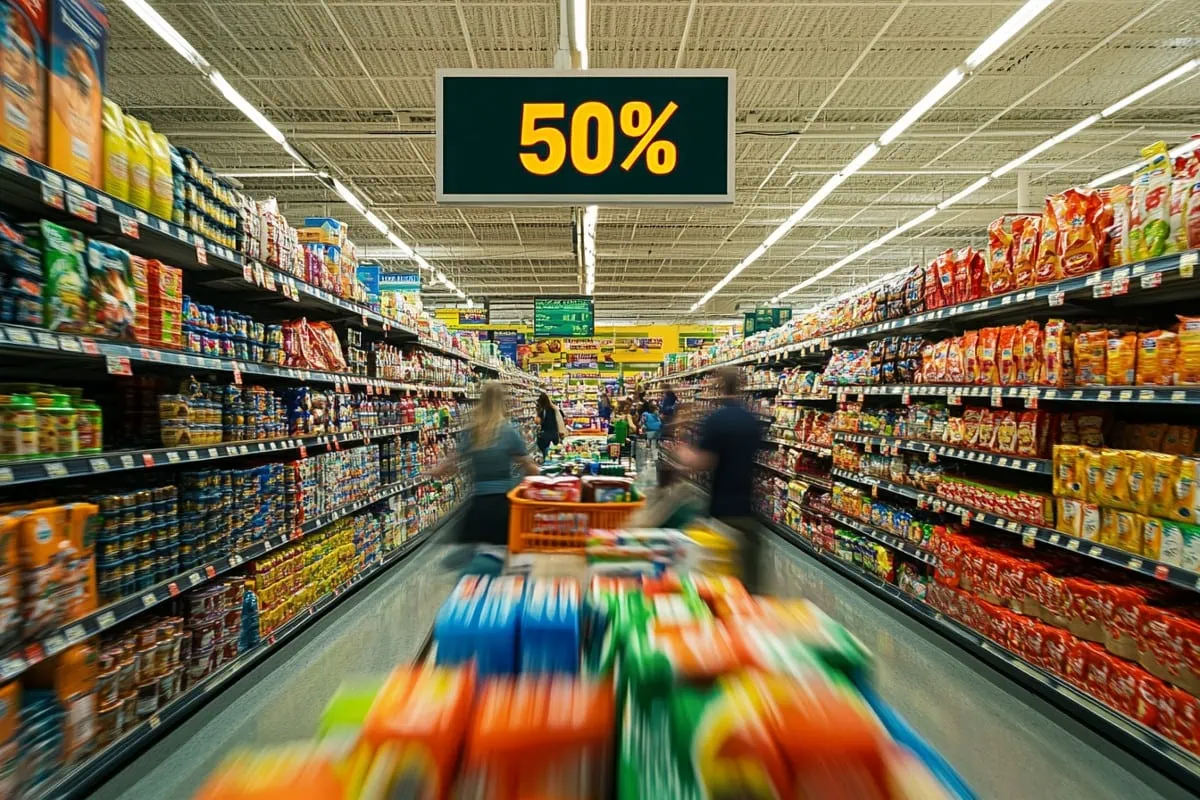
column 14, row 162
column 193, row 455
column 89, row 347
column 1125, row 394
column 953, row 399
column 1120, row 286
column 118, row 365
column 1096, row 552
column 364, row 319
column 55, row 469
column 236, row 560
column 81, row 207
column 1161, row 572
column 1104, row 394
column 149, row 600
column 129, row 227
column 933, row 457
column 1103, row 289
column 303, row 451
column 194, row 579
column 210, row 571
column 173, row 456
column 1055, row 538
column 1031, row 401
column 965, row 517
column 237, row 374
column 997, row 398
column 1056, row 298
column 201, row 253
column 1073, row 544
column 98, row 464
column 154, row 721
column 1028, row 539
column 1134, row 563
column 107, row 620
column 76, row 633
column 127, row 462
column 1187, row 264
column 53, row 196
column 70, row 344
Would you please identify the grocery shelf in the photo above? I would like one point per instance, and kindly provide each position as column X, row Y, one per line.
column 13, row 473
column 883, row 537
column 825, row 452
column 1075, row 394
column 813, row 480
column 1146, row 744
column 1031, row 534
column 119, row 358
column 1040, row 466
column 126, row 608
column 78, row 781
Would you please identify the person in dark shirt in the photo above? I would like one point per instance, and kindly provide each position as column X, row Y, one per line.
column 728, row 440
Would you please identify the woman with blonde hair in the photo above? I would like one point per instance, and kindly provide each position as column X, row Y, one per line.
column 488, row 450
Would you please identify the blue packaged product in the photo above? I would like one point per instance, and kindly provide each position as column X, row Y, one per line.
column 496, row 627
column 452, row 630
column 549, row 634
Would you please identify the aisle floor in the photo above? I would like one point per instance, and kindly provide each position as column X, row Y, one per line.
column 1005, row 742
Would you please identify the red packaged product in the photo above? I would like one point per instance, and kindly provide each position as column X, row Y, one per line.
column 1078, row 217
column 1056, row 643
column 989, row 372
column 954, row 361
column 933, row 287
column 1122, row 689
column 970, row 356
column 976, row 272
column 1122, row 610
column 1027, row 236
column 986, row 438
column 1000, row 256
column 1160, row 644
column 939, row 363
column 1005, row 440
column 961, row 270
column 1150, row 693
column 1048, row 267
column 1054, row 601
column 1077, row 664
column 1179, row 718
column 1029, row 434
column 943, row 267
column 1007, row 342
column 1029, row 354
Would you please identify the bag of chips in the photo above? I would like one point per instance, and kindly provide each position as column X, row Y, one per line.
column 1119, row 197
column 1027, row 235
column 1156, row 354
column 1187, row 359
column 1048, row 267
column 1000, row 256
column 1121, row 358
column 1150, row 232
column 1078, row 218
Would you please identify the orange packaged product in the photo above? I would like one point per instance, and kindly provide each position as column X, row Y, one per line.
column 1119, row 198
column 1187, row 360
column 1091, row 348
column 539, row 737
column 1029, row 354
column 82, row 519
column 970, row 356
column 1156, row 354
column 416, row 728
column 989, row 371
column 10, row 583
column 986, row 439
column 1121, row 358
column 41, row 548
column 943, row 268
column 1029, row 434
column 1006, row 432
column 292, row 772
column 938, row 374
column 1007, row 342
column 1179, row 440
column 71, row 675
column 1078, row 215
column 1027, row 236
column 1058, row 357
column 1000, row 256
column 1048, row 267
column 954, row 360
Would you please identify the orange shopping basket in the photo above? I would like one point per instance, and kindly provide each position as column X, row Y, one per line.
column 562, row 527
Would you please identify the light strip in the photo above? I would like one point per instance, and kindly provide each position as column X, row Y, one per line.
column 1151, row 87
column 1183, row 149
column 180, row 44
column 591, row 216
column 1011, row 26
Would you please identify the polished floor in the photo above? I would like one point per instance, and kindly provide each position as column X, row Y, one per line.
column 1005, row 742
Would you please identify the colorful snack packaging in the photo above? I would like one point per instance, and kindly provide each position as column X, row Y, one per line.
column 23, row 78
column 1178, row 440
column 162, row 186
column 1185, row 492
column 1156, row 355
column 954, row 360
column 1000, row 256
column 1119, row 197
column 1090, row 473
column 970, row 357
column 1029, row 354
column 139, row 163
column 1048, row 267
column 1006, row 354
column 1091, row 349
column 1065, row 475
column 989, row 370
column 1121, row 359
column 65, row 275
column 116, row 152
column 1069, row 516
column 1116, row 467
column 1151, row 537
column 1150, row 232
column 77, row 68
column 1058, row 361
column 1077, row 215
column 944, row 270
column 1187, row 359
column 1006, row 432
column 1028, row 434
column 970, row 426
column 1162, row 475
column 1192, row 208
column 1027, row 236
column 987, row 429
column 111, row 302
column 939, row 362
column 1181, row 185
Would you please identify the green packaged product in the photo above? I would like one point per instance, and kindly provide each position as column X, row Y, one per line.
column 65, row 274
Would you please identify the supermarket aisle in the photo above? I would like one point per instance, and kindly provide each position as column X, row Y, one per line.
column 382, row 625
column 1003, row 740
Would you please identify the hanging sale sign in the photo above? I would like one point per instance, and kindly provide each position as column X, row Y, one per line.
column 554, row 137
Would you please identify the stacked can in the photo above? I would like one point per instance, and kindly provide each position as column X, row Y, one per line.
column 138, row 542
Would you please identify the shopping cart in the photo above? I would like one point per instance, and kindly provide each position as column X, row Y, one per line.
column 560, row 527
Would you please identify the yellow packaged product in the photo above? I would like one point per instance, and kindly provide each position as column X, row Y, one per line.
column 1151, row 537
column 1187, row 359
column 1089, row 473
column 1129, row 531
column 1089, row 522
column 1069, row 519
column 1116, row 468
column 1108, row 527
column 139, row 164
column 1184, row 495
column 1121, row 358
column 1066, row 463
column 116, row 152
column 1156, row 356
column 1170, row 548
column 162, row 185
column 1162, row 473
column 1139, row 480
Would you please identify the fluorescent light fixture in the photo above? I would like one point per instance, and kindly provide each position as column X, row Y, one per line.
column 979, row 184
column 922, row 106
column 1109, row 177
column 167, row 33
column 349, row 196
column 860, row 160
column 377, row 223
column 1032, row 153
column 291, row 151
column 1151, row 87
column 1011, row 27
column 244, row 105
column 470, row 303
column 579, row 28
column 440, row 277
column 269, row 173
column 461, row 294
column 400, row 245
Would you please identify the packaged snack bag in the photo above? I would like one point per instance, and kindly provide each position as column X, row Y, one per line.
column 1119, row 197
column 1048, row 267
column 1029, row 434
column 1150, row 233
column 1029, row 354
column 987, row 429
column 1187, row 360
column 139, row 163
column 112, row 304
column 1077, row 215
column 1181, row 185
column 1027, row 236
column 944, row 270
column 1066, row 462
column 1115, row 468
column 1058, row 358
column 1179, row 440
column 938, row 371
column 116, row 152
column 954, row 360
column 1192, row 207
column 77, row 76
column 65, row 274
column 1090, row 471
column 1091, row 349
column 1006, row 432
column 1007, row 344
column 1156, row 355
column 1069, row 517
column 1000, row 256
column 987, row 351
column 1121, row 358
column 162, row 185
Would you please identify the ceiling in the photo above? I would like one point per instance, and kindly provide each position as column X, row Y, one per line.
column 351, row 84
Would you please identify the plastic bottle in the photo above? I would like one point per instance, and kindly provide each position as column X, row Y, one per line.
column 18, row 427
column 90, row 424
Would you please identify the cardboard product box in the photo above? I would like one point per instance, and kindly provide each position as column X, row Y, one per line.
column 78, row 54
column 23, row 30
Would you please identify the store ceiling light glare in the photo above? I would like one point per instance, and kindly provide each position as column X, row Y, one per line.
column 1036, row 151
column 974, row 187
column 1010, row 28
column 167, row 33
column 253, row 114
column 1151, row 87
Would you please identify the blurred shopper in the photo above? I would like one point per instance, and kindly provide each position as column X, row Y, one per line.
column 668, row 409
column 606, row 409
column 550, row 424
column 489, row 449
column 652, row 425
column 727, row 442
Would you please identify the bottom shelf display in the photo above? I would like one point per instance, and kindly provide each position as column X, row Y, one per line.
column 1119, row 664
column 106, row 701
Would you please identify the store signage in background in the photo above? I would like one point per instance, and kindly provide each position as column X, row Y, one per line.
column 473, row 316
column 765, row 319
column 563, row 318
column 507, row 343
column 748, row 324
column 583, row 361
column 368, row 275
column 403, row 282
column 601, row 136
